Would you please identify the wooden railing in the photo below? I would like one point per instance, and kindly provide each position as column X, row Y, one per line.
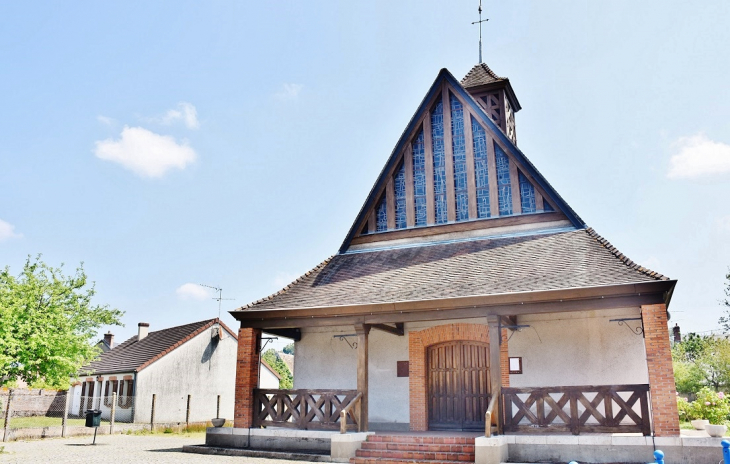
column 305, row 409
column 353, row 412
column 492, row 411
column 607, row 408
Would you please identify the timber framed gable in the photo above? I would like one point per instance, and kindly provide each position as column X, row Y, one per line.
column 453, row 169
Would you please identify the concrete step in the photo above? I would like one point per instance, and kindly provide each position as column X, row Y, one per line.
column 394, row 461
column 426, row 440
column 442, row 448
column 416, row 455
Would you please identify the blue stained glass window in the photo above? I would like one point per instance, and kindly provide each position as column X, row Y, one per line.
column 439, row 162
column 400, row 197
column 546, row 206
column 381, row 215
column 527, row 195
column 458, row 144
column 481, row 173
column 419, row 179
column 504, row 188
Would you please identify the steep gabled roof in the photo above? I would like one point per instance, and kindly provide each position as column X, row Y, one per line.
column 134, row 355
column 481, row 74
column 553, row 260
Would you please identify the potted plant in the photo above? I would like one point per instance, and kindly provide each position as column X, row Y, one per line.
column 715, row 408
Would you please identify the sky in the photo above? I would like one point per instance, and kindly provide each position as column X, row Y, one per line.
column 168, row 144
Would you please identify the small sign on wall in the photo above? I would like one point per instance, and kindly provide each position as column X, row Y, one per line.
column 402, row 368
column 515, row 365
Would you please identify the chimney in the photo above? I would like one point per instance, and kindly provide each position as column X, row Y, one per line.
column 142, row 329
column 109, row 339
column 677, row 334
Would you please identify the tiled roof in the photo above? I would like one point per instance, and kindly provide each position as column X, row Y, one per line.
column 133, row 355
column 550, row 261
column 480, row 75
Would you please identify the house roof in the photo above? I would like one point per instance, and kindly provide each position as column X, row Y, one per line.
column 481, row 74
column 134, row 355
column 550, row 260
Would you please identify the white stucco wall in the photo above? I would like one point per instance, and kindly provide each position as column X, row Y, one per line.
column 580, row 348
column 201, row 368
column 267, row 379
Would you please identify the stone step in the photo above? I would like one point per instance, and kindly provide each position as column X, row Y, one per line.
column 394, row 461
column 426, row 440
column 416, row 455
column 368, row 445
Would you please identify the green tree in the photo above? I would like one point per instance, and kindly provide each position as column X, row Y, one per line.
column 289, row 349
column 725, row 319
column 701, row 361
column 273, row 360
column 48, row 324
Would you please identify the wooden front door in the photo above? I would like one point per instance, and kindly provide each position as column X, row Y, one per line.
column 458, row 385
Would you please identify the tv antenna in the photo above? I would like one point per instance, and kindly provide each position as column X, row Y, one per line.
column 219, row 298
column 480, row 30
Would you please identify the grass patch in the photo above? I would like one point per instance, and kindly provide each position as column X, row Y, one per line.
column 42, row 421
column 200, row 428
column 686, row 426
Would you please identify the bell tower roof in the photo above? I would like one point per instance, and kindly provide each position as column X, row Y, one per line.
column 481, row 77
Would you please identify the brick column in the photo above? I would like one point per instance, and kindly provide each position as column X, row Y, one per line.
column 661, row 373
column 504, row 358
column 247, row 376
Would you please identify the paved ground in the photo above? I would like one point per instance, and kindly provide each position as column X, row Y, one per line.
column 158, row 448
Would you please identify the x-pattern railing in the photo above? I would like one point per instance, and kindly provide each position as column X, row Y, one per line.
column 583, row 414
column 302, row 409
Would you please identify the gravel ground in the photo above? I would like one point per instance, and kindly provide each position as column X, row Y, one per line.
column 158, row 448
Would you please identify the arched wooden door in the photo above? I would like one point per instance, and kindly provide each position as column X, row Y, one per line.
column 458, row 385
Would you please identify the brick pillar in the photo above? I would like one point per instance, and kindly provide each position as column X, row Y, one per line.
column 504, row 358
column 247, row 376
column 661, row 373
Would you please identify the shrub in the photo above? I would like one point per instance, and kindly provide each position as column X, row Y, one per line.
column 685, row 409
column 710, row 405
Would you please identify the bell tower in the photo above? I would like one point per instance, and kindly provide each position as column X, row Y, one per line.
column 495, row 95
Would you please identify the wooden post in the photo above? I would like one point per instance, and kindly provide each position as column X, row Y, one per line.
column 113, row 413
column 64, row 421
column 152, row 413
column 187, row 412
column 495, row 366
column 8, row 412
column 362, row 331
column 218, row 408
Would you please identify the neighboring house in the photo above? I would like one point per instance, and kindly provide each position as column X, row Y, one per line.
column 288, row 360
column 268, row 377
column 466, row 275
column 107, row 343
column 197, row 359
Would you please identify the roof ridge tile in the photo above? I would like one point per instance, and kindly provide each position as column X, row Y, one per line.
column 622, row 257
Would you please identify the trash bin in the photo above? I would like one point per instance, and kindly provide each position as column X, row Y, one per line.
column 93, row 417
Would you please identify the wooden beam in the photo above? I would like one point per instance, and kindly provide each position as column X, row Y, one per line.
column 390, row 202
column 634, row 301
column 428, row 152
column 410, row 202
column 397, row 330
column 514, row 181
column 538, row 201
column 509, row 321
column 448, row 157
column 495, row 364
column 295, row 333
column 362, row 331
column 372, row 225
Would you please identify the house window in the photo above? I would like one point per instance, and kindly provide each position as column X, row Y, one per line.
column 503, row 182
column 400, row 197
column 458, row 144
column 381, row 215
column 527, row 195
column 439, row 162
column 419, row 179
column 481, row 173
column 515, row 365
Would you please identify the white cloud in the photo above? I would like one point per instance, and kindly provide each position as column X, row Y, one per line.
column 192, row 291
column 185, row 113
column 7, row 231
column 145, row 153
column 283, row 279
column 288, row 92
column 106, row 120
column 698, row 157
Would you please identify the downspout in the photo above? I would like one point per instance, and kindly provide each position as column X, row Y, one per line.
column 134, row 389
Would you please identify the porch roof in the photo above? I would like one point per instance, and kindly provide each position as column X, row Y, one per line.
column 539, row 262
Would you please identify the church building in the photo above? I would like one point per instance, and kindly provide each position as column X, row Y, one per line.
column 467, row 291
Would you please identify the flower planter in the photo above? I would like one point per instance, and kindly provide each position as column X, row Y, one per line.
column 218, row 422
column 716, row 430
column 699, row 424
